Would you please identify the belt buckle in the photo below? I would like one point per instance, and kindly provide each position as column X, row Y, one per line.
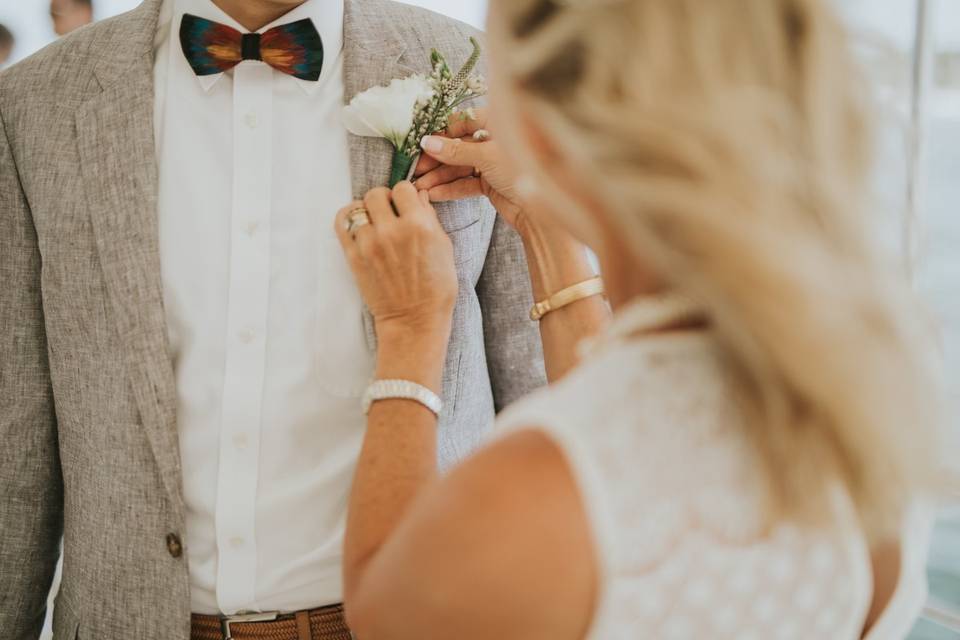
column 226, row 621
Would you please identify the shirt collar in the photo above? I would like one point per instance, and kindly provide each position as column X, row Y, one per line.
column 327, row 17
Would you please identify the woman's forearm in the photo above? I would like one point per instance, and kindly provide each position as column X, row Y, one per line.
column 557, row 261
column 400, row 447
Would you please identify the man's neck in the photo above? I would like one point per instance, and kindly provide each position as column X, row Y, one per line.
column 255, row 14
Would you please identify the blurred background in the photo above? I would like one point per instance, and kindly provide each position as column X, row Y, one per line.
column 911, row 49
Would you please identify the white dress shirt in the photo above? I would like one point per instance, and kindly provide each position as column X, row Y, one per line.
column 265, row 322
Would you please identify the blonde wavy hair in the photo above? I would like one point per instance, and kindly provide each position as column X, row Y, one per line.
column 727, row 143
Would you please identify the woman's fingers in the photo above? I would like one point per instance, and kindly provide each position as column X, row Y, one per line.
column 403, row 264
column 341, row 225
column 442, row 175
column 406, row 200
column 461, row 125
column 425, row 165
column 455, row 151
column 457, row 190
column 378, row 203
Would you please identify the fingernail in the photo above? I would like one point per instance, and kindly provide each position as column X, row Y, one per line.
column 432, row 144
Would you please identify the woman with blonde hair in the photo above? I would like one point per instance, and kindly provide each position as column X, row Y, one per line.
column 734, row 453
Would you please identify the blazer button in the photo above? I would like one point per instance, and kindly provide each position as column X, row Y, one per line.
column 174, row 546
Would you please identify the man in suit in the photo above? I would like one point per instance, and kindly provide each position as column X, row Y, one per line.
column 182, row 347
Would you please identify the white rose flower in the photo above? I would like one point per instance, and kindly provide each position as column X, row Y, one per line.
column 387, row 112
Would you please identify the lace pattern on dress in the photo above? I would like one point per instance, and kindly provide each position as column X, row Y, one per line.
column 674, row 494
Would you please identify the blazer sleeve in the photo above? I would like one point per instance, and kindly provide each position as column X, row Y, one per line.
column 513, row 347
column 31, row 486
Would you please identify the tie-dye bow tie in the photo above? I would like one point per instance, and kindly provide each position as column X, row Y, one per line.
column 211, row 47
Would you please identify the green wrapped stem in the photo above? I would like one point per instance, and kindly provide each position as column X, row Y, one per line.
column 400, row 167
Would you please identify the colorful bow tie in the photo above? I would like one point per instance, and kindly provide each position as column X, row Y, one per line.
column 211, row 47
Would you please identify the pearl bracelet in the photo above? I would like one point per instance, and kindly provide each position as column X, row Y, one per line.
column 401, row 390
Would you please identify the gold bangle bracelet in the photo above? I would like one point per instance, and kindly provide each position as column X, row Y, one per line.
column 565, row 297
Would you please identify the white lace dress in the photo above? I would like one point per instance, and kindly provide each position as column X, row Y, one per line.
column 671, row 489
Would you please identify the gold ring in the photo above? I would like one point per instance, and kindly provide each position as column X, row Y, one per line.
column 357, row 218
column 481, row 135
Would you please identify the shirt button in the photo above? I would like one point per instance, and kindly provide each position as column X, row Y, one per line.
column 251, row 120
column 240, row 441
column 252, row 228
column 247, row 336
column 174, row 546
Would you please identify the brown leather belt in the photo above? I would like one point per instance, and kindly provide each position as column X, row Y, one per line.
column 325, row 623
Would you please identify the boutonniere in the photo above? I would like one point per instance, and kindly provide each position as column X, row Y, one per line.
column 410, row 108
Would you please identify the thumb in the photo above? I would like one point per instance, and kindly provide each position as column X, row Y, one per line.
column 454, row 151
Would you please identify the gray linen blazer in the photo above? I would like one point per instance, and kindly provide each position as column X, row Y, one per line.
column 88, row 427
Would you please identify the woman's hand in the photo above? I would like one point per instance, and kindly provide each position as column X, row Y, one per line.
column 403, row 262
column 456, row 166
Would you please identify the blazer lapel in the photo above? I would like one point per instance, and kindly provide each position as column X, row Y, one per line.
column 116, row 144
column 372, row 55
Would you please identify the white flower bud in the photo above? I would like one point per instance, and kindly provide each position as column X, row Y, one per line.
column 388, row 112
column 476, row 85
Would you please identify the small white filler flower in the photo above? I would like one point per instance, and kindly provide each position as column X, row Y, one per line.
column 410, row 108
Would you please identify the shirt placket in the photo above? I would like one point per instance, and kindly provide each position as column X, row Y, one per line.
column 245, row 357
